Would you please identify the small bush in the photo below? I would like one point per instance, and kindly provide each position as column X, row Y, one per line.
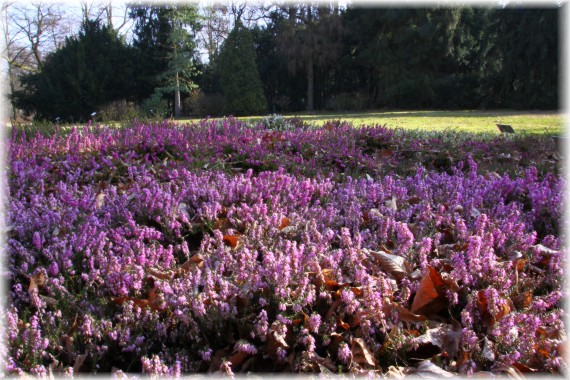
column 202, row 104
column 156, row 106
column 119, row 110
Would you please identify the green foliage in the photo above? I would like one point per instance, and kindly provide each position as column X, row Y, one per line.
column 156, row 106
column 89, row 71
column 165, row 38
column 452, row 57
column 523, row 62
column 119, row 110
column 411, row 49
column 199, row 103
column 239, row 78
column 304, row 54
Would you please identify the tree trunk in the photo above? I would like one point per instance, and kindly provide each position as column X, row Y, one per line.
column 12, row 80
column 310, row 84
column 310, row 68
column 177, row 106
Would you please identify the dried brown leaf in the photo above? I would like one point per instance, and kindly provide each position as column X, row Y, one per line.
column 153, row 301
column 37, row 280
column 275, row 341
column 414, row 200
column 357, row 291
column 79, row 360
column 428, row 369
column 406, row 315
column 218, row 358
column 284, row 223
column 231, row 240
column 391, row 203
column 429, row 298
column 523, row 368
column 237, row 358
column 343, row 325
column 391, row 264
column 332, row 309
column 385, row 153
column 361, row 353
column 100, row 201
column 161, row 275
column 195, row 260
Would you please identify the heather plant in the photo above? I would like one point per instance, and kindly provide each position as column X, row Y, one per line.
column 225, row 247
column 276, row 122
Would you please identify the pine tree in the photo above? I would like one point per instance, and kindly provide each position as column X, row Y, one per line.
column 239, row 77
column 165, row 38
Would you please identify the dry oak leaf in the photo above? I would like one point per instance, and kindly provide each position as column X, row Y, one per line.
column 428, row 370
column 385, row 153
column 392, row 264
column 153, row 301
column 430, row 296
column 361, row 354
column 326, row 278
column 284, row 223
column 231, row 240
column 221, row 224
column 524, row 368
column 406, row 315
column 196, row 260
column 522, row 300
column 161, row 275
column 37, row 280
column 275, row 341
column 483, row 305
column 343, row 325
column 237, row 358
column 445, row 336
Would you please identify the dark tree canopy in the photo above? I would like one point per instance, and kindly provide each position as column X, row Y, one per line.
column 164, row 37
column 524, row 58
column 239, row 77
column 90, row 70
column 306, row 56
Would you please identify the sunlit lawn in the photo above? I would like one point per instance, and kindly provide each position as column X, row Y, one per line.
column 551, row 122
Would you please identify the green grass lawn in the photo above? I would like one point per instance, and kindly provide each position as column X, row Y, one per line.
column 550, row 122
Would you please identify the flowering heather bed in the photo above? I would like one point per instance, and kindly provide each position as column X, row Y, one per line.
column 168, row 250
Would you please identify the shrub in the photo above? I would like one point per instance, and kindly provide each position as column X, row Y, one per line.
column 156, row 106
column 202, row 104
column 119, row 110
column 239, row 78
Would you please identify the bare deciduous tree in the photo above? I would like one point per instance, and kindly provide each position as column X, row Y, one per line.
column 40, row 26
column 104, row 11
column 31, row 31
column 219, row 18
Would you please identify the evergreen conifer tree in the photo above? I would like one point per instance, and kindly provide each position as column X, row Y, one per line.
column 89, row 71
column 239, row 77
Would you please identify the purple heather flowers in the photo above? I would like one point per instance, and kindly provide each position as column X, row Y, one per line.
column 162, row 249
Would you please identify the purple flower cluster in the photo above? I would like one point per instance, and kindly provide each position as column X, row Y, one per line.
column 164, row 250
